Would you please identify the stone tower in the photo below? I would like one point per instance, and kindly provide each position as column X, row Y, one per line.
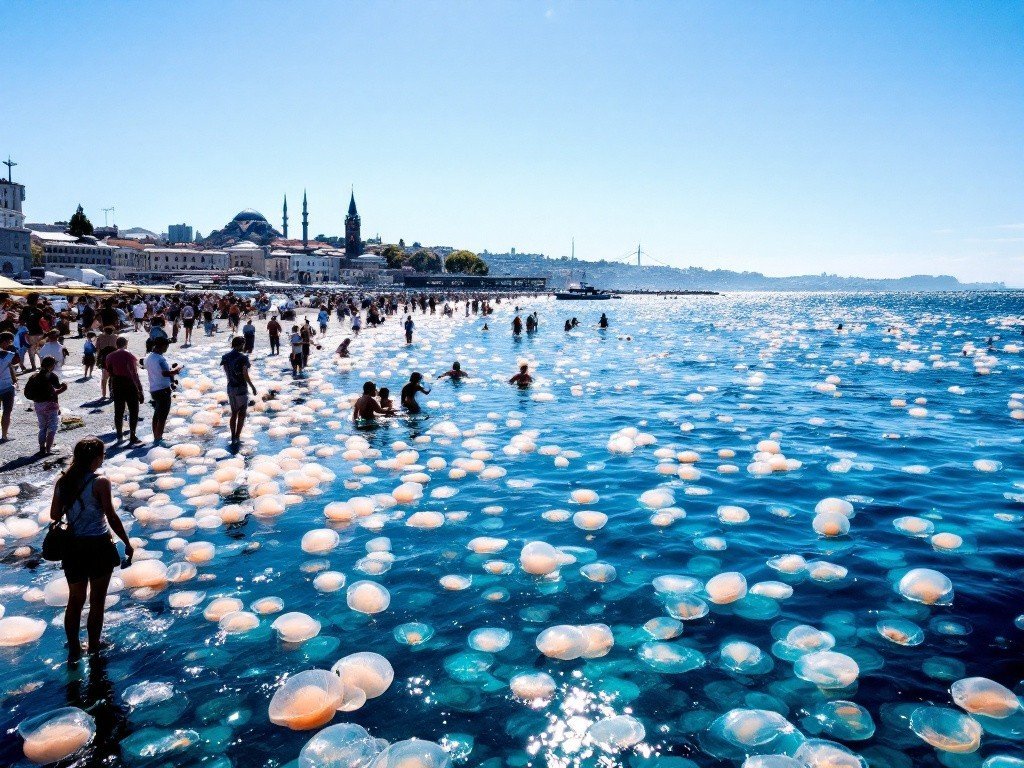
column 353, row 242
column 305, row 221
column 284, row 218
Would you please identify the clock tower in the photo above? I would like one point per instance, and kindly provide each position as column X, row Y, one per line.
column 353, row 242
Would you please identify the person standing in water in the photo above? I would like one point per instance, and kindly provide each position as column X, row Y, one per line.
column 409, row 325
column 603, row 322
column 523, row 379
column 85, row 499
column 236, row 367
column 517, row 325
column 409, row 392
column 367, row 407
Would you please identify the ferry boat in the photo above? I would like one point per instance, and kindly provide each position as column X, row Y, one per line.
column 583, row 293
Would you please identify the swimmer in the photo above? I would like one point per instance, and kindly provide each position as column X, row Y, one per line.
column 455, row 373
column 409, row 392
column 342, row 350
column 485, row 328
column 603, row 322
column 523, row 379
column 517, row 326
column 366, row 407
column 386, row 402
column 568, row 325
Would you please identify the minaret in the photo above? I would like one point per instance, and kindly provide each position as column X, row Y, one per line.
column 353, row 242
column 284, row 218
column 305, row 221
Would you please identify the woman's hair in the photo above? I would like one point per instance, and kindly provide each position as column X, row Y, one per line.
column 86, row 451
column 48, row 363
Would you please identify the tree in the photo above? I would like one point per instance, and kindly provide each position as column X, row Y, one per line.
column 80, row 226
column 425, row 261
column 401, row 243
column 38, row 254
column 465, row 263
column 394, row 255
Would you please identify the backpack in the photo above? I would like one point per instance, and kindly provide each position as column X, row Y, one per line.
column 38, row 389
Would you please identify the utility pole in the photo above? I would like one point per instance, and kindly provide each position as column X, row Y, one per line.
column 10, row 164
column 638, row 254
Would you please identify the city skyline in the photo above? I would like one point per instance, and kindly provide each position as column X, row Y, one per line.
column 797, row 139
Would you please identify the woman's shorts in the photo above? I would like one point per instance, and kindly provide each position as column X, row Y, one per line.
column 90, row 557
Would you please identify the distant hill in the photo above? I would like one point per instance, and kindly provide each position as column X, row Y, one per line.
column 630, row 277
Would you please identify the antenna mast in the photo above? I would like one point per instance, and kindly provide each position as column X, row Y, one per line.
column 105, row 212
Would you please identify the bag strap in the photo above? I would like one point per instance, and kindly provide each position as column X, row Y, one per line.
column 77, row 499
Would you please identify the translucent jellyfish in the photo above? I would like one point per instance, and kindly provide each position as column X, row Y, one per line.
column 900, row 631
column 345, row 745
column 539, row 558
column 307, row 700
column 616, row 733
column 827, row 669
column 489, row 639
column 831, row 524
column 742, row 732
column 368, row 597
column 369, row 672
column 819, row 753
column 413, row 633
column 144, row 573
column 672, row 584
column 836, row 505
column 663, row 628
column 590, row 520
column 946, row 729
column 562, row 641
column 425, row 520
column 486, row 545
column 791, row 564
column 670, row 658
column 981, row 696
column 199, row 552
column 914, row 526
column 947, row 542
column 329, row 581
column 267, row 605
column 455, row 583
column 731, row 515
column 238, row 622
column 687, row 608
column 20, row 630
column 414, row 753
column 599, row 640
column 657, row 498
column 601, row 573
column 772, row 761
column 844, row 720
column 56, row 735
column 776, row 590
column 923, row 585
column 221, row 607
column 296, row 627
column 533, row 686
column 743, row 657
column 320, row 541
column 726, row 587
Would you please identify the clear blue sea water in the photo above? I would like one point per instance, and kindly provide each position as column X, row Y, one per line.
column 703, row 374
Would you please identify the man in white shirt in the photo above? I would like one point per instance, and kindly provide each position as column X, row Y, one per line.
column 55, row 349
column 139, row 313
column 161, row 377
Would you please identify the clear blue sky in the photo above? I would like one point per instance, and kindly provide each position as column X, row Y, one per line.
column 793, row 137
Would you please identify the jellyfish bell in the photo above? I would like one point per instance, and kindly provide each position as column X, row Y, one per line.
column 726, row 587
column 831, row 524
column 563, row 641
column 54, row 736
column 827, row 669
column 927, row 586
column 369, row 672
column 489, row 639
column 296, row 627
column 946, row 729
column 345, row 745
column 307, row 700
column 368, row 597
column 538, row 558
column 616, row 733
column 413, row 753
column 981, row 696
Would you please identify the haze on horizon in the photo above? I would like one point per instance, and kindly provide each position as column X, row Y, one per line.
column 786, row 138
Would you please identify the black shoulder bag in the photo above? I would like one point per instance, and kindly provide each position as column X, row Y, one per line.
column 58, row 540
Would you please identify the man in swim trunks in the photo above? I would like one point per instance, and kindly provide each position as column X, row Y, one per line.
column 366, row 407
column 455, row 373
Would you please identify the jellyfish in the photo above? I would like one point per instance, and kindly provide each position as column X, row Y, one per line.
column 562, row 641
column 981, row 696
column 539, row 558
column 827, row 669
column 425, row 520
column 329, row 581
column 320, row 541
column 489, row 639
column 533, row 686
column 56, row 735
column 923, row 585
column 844, row 720
column 831, row 524
column 671, row 658
column 345, row 745
column 413, row 753
column 238, row 622
column 307, row 700
column 820, row 753
column 589, row 520
column 946, row 729
column 368, row 597
column 726, row 587
column 368, row 672
column 616, row 733
column 413, row 633
column 221, row 607
column 296, row 627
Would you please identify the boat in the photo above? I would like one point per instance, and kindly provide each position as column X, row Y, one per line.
column 583, row 292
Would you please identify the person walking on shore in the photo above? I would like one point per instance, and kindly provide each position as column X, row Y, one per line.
column 32, row 319
column 43, row 388
column 53, row 348
column 125, row 389
column 161, row 378
column 85, row 499
column 236, row 367
column 8, row 381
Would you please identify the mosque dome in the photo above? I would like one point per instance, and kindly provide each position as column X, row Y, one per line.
column 249, row 215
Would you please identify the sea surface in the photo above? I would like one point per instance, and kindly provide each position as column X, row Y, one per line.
column 717, row 434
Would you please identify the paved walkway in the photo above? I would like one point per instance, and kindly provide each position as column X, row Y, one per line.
column 83, row 412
